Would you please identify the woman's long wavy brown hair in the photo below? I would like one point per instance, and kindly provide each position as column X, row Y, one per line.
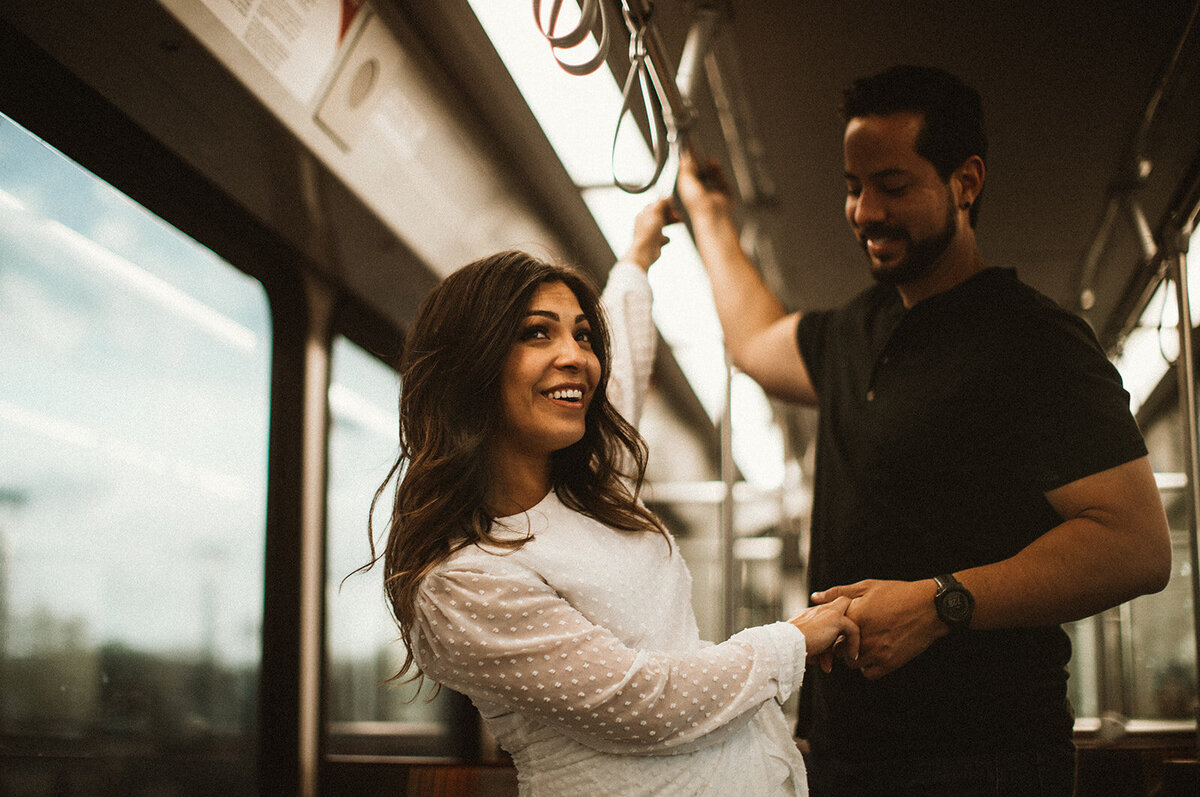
column 450, row 373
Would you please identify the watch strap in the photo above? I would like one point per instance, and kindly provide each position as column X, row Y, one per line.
column 945, row 581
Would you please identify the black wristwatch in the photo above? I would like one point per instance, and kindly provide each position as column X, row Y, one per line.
column 955, row 604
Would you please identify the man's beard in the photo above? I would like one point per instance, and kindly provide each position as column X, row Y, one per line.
column 920, row 256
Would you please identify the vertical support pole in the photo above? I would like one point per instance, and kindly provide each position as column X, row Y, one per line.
column 1186, row 373
column 278, row 726
column 730, row 574
column 312, row 533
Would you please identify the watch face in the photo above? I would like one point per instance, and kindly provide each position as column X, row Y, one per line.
column 955, row 605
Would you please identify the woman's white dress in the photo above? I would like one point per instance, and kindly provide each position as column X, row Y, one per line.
column 581, row 651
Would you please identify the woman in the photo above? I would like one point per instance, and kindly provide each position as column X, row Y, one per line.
column 525, row 573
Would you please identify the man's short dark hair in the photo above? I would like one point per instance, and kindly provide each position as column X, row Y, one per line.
column 952, row 110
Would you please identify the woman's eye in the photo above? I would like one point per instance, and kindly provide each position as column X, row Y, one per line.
column 584, row 336
column 534, row 333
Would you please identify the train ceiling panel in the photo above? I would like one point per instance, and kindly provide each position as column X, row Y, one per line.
column 449, row 164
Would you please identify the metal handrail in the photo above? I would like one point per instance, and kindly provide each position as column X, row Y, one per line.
column 1132, row 173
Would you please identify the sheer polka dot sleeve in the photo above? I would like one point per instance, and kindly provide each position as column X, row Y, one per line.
column 627, row 302
column 505, row 638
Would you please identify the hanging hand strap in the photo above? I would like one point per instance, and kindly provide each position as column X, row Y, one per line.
column 641, row 73
column 588, row 11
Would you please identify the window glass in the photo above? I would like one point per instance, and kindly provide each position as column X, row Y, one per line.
column 367, row 714
column 1139, row 660
column 1161, row 641
column 1162, row 680
column 1149, row 644
column 1084, row 682
column 134, row 387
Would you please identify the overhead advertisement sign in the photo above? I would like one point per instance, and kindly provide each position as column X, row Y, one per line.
column 297, row 41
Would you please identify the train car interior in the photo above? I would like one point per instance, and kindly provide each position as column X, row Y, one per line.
column 217, row 218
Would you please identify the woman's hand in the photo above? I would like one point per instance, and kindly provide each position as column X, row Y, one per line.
column 825, row 627
column 648, row 238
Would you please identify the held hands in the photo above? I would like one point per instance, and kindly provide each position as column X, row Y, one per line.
column 825, row 627
column 648, row 238
column 897, row 621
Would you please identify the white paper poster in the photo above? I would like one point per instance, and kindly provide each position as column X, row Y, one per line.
column 295, row 40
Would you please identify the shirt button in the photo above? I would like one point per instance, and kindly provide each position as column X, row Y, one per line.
column 870, row 395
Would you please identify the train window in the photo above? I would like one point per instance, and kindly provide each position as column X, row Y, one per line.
column 134, row 388
column 1138, row 661
column 1161, row 681
column 366, row 715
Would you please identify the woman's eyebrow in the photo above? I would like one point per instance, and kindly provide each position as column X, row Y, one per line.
column 553, row 316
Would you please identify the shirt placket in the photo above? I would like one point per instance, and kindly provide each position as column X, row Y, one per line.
column 882, row 365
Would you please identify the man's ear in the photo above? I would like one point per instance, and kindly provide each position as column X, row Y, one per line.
column 969, row 179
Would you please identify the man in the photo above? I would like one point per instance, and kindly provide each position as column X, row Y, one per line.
column 979, row 478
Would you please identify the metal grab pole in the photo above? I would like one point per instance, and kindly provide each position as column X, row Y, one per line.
column 1186, row 374
column 695, row 49
column 731, row 575
column 1137, row 167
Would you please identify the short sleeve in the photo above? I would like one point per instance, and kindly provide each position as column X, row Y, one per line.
column 811, row 334
column 506, row 638
column 1075, row 411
